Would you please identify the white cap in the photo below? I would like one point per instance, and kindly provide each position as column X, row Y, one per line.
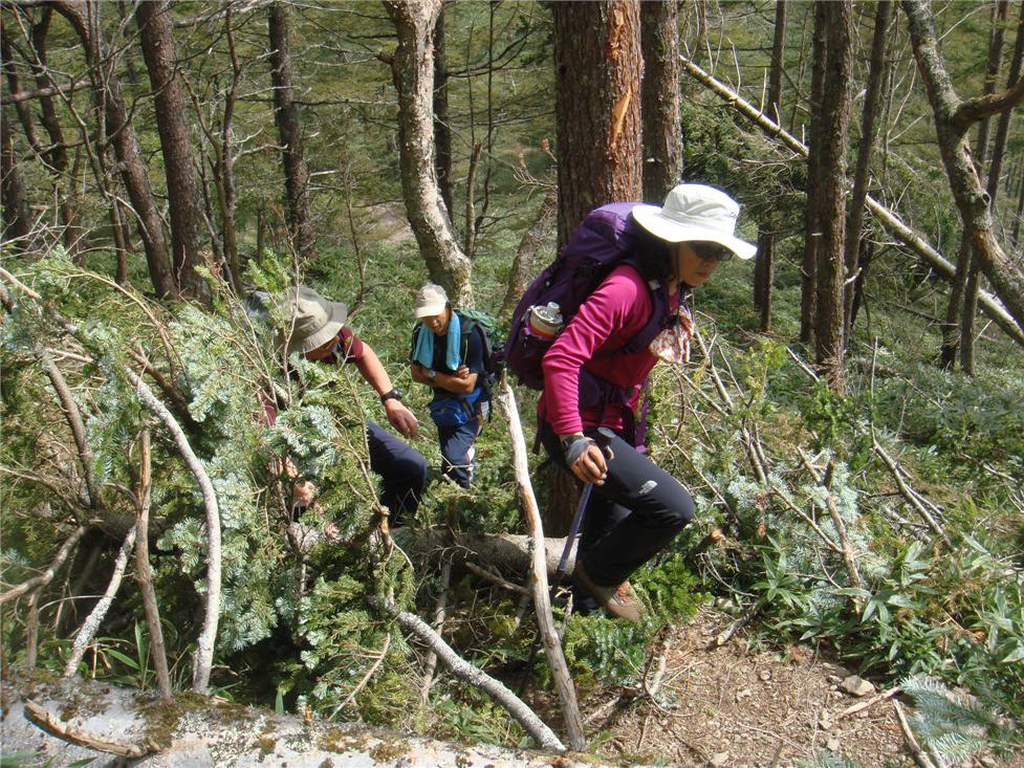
column 430, row 301
column 695, row 213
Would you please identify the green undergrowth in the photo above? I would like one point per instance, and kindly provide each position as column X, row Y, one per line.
column 301, row 632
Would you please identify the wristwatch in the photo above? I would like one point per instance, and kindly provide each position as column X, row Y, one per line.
column 393, row 394
column 431, row 373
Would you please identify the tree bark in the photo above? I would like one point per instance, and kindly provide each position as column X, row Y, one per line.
column 662, row 134
column 831, row 190
column 952, row 119
column 533, row 239
column 156, row 31
column 17, row 224
column 56, row 155
column 812, row 212
column 597, row 106
column 995, row 172
column 289, row 128
column 118, row 127
column 966, row 270
column 412, row 71
column 890, row 221
column 877, row 71
column 598, row 69
column 764, row 263
column 442, row 128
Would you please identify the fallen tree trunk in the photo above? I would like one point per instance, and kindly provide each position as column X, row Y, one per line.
column 507, row 551
column 85, row 720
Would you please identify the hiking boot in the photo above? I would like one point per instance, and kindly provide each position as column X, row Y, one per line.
column 620, row 601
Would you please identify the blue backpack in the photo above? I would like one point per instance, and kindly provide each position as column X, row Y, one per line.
column 602, row 241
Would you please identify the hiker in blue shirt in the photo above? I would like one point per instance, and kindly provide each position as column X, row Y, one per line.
column 448, row 355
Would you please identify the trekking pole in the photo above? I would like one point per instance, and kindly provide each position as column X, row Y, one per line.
column 604, row 438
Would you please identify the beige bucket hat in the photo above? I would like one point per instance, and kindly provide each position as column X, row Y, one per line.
column 310, row 319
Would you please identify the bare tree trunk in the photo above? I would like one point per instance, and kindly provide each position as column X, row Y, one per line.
column 953, row 118
column 289, row 128
column 442, row 129
column 116, row 124
column 890, row 221
column 21, row 106
column 534, row 238
column 208, row 637
column 144, row 573
column 877, row 72
column 156, row 30
column 970, row 311
column 17, row 224
column 1015, row 235
column 662, row 133
column 831, row 189
column 966, row 270
column 56, row 155
column 764, row 264
column 812, row 213
column 412, row 70
column 598, row 69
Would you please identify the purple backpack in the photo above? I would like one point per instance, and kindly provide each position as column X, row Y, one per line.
column 602, row 241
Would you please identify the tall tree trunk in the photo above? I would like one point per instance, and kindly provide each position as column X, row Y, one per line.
column 877, row 71
column 1015, row 234
column 118, row 126
column 412, row 70
column 597, row 105
column 970, row 312
column 17, row 224
column 764, row 263
column 966, row 270
column 21, row 106
column 57, row 154
column 442, row 129
column 156, row 31
column 663, row 145
column 812, row 215
column 289, row 128
column 831, row 189
column 534, row 238
column 953, row 118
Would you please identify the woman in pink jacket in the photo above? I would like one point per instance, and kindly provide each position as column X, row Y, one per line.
column 636, row 508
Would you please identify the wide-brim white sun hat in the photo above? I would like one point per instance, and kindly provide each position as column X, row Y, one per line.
column 695, row 213
column 310, row 319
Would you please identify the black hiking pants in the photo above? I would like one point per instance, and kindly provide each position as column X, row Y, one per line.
column 633, row 516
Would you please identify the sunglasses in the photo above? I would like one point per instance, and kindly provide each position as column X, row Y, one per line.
column 711, row 251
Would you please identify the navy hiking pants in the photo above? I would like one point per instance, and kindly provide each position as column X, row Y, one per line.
column 402, row 470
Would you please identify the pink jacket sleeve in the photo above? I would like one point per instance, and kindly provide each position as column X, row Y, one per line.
column 608, row 314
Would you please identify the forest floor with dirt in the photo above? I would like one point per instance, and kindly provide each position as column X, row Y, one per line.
column 729, row 708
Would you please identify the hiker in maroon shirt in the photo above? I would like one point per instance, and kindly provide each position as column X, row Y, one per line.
column 636, row 508
column 316, row 329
